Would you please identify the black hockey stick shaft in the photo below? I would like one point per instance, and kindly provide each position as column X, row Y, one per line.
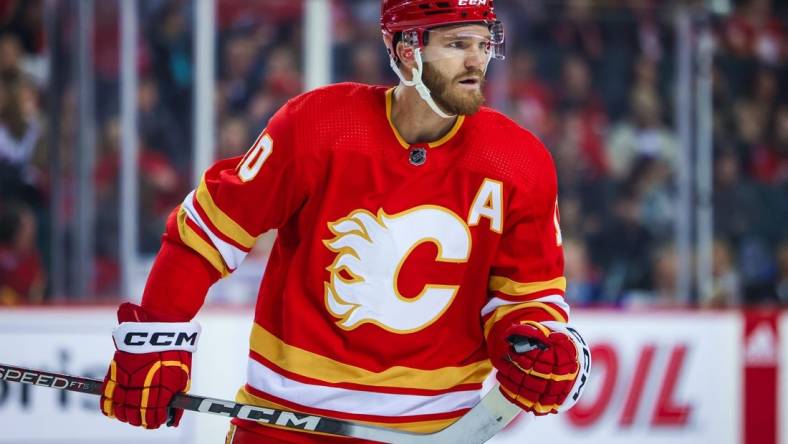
column 52, row 380
column 476, row 426
column 181, row 401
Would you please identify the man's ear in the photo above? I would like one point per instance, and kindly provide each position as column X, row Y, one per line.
column 406, row 56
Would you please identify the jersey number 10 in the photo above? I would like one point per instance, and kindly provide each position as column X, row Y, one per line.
column 255, row 158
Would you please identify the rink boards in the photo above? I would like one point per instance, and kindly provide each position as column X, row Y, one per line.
column 658, row 377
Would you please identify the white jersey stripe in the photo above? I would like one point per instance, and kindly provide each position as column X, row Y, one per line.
column 356, row 401
column 555, row 299
column 232, row 255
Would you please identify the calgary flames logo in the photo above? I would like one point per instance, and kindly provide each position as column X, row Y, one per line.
column 371, row 250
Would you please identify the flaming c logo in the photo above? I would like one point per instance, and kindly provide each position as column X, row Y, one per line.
column 371, row 250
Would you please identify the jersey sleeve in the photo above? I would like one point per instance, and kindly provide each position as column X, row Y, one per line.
column 218, row 223
column 240, row 198
column 526, row 279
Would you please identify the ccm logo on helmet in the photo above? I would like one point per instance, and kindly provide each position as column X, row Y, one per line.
column 139, row 338
column 471, row 2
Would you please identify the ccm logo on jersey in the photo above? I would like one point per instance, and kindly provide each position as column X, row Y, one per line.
column 471, row 2
column 147, row 337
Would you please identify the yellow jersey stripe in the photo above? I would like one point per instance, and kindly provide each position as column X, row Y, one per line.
column 430, row 426
column 504, row 310
column 457, row 124
column 220, row 219
column 514, row 288
column 321, row 368
column 389, row 95
column 198, row 244
column 452, row 132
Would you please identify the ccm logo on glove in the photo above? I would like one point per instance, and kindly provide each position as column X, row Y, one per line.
column 146, row 337
column 161, row 338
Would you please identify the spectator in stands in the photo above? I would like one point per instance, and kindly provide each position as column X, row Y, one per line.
column 578, row 100
column 770, row 159
column 662, row 288
column 234, row 137
column 722, row 97
column 727, row 286
column 282, row 74
column 532, row 100
column 160, row 187
column 571, row 213
column 578, row 179
column 22, row 278
column 651, row 180
column 10, row 54
column 282, row 81
column 20, row 132
column 239, row 77
column 646, row 78
column 765, row 92
column 159, row 130
column 751, row 124
column 582, row 287
column 170, row 42
column 25, row 21
column 366, row 63
column 643, row 134
column 106, row 60
column 744, row 217
column 261, row 108
column 753, row 31
column 781, row 282
column 241, row 12
column 623, row 249
column 577, row 31
column 737, row 203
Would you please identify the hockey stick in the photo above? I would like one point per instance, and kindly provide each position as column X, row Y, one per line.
column 477, row 426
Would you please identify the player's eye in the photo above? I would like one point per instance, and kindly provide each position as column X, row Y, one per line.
column 458, row 44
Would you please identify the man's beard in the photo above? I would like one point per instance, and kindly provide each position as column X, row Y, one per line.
column 450, row 99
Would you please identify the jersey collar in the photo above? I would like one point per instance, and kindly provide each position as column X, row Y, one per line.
column 452, row 132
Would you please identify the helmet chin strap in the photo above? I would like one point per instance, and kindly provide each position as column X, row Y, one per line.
column 418, row 83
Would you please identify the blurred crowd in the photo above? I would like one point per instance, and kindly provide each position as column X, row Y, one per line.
column 594, row 80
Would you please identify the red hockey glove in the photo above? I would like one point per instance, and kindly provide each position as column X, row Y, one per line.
column 152, row 363
column 541, row 369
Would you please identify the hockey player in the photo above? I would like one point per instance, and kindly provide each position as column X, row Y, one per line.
column 417, row 235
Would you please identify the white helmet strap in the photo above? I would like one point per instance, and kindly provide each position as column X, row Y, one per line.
column 418, row 83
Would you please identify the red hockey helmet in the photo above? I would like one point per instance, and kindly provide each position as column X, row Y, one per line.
column 400, row 15
column 419, row 15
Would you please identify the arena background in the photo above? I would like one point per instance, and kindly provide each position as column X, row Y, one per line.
column 667, row 120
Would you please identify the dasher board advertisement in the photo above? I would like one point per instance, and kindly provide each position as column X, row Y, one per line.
column 72, row 341
column 665, row 377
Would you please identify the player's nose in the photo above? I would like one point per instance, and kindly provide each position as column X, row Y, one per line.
column 475, row 59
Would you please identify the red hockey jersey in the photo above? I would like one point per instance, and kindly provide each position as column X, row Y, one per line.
column 392, row 261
